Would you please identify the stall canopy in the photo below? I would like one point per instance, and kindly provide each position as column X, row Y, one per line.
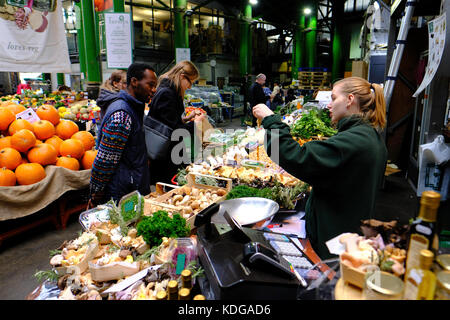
column 33, row 37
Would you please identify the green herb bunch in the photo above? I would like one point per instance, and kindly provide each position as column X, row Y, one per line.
column 313, row 123
column 153, row 228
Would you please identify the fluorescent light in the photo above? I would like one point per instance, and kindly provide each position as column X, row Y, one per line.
column 307, row 11
column 253, row 2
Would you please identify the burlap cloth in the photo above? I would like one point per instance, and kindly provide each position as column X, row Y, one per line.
column 21, row 201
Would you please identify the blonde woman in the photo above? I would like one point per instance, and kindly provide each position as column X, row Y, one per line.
column 346, row 170
column 167, row 107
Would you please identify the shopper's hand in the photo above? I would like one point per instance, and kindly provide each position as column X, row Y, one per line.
column 189, row 117
column 260, row 111
column 199, row 117
column 95, row 199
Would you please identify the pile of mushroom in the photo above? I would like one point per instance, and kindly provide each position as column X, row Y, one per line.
column 192, row 200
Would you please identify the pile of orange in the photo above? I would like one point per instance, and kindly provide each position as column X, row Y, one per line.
column 26, row 148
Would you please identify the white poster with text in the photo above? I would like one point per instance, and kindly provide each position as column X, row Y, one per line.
column 119, row 46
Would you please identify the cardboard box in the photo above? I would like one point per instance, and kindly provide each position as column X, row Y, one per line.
column 360, row 69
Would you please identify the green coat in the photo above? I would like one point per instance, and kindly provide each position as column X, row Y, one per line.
column 345, row 172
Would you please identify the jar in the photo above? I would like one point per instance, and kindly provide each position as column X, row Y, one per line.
column 442, row 286
column 382, row 285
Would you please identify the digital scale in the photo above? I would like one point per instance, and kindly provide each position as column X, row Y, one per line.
column 244, row 263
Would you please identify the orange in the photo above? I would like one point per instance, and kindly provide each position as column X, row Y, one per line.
column 5, row 142
column 86, row 138
column 6, row 118
column 68, row 163
column 49, row 113
column 10, row 158
column 29, row 173
column 19, row 124
column 16, row 108
column 72, row 147
column 43, row 153
column 7, row 178
column 23, row 140
column 66, row 129
column 88, row 159
column 55, row 141
column 43, row 129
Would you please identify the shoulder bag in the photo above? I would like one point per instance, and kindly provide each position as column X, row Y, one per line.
column 157, row 138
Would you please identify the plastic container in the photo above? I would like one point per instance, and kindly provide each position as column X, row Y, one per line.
column 253, row 164
column 183, row 252
column 131, row 207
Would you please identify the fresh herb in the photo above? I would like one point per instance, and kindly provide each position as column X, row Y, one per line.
column 153, row 228
column 312, row 124
column 197, row 271
column 48, row 275
column 55, row 252
column 147, row 254
column 284, row 196
column 115, row 217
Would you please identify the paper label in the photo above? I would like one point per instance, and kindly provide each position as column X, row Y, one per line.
column 28, row 115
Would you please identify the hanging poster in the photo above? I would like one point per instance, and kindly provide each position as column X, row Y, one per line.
column 119, row 45
column 436, row 44
column 33, row 37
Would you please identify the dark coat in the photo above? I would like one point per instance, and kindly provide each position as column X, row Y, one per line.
column 132, row 172
column 345, row 172
column 256, row 95
column 167, row 106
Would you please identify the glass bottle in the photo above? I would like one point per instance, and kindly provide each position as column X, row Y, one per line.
column 184, row 294
column 420, row 282
column 161, row 295
column 172, row 290
column 186, row 279
column 422, row 231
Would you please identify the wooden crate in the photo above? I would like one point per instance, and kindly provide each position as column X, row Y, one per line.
column 161, row 201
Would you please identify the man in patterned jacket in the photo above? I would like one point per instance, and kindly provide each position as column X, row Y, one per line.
column 121, row 164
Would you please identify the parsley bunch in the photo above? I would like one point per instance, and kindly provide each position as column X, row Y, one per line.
column 153, row 228
column 313, row 123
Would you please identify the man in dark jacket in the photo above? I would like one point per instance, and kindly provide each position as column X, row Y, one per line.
column 121, row 164
column 256, row 94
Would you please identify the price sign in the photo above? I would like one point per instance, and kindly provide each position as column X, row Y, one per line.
column 119, row 48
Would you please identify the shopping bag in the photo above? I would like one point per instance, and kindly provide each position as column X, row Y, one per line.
column 157, row 138
column 434, row 167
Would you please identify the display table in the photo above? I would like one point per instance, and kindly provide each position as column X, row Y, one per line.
column 55, row 193
column 346, row 291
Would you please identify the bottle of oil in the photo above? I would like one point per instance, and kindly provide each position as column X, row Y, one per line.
column 161, row 295
column 186, row 279
column 423, row 228
column 420, row 283
column 172, row 290
column 184, row 294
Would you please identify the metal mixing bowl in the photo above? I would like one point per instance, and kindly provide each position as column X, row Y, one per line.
column 250, row 212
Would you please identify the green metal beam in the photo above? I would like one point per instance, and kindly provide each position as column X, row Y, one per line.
column 60, row 79
column 80, row 39
column 244, row 48
column 119, row 5
column 338, row 67
column 179, row 24
column 311, row 37
column 298, row 52
column 93, row 62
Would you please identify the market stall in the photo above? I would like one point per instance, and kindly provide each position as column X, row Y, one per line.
column 44, row 154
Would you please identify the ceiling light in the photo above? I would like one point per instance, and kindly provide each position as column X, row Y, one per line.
column 253, row 2
column 307, row 11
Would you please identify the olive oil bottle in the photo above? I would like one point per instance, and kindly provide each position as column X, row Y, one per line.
column 423, row 228
column 420, row 282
